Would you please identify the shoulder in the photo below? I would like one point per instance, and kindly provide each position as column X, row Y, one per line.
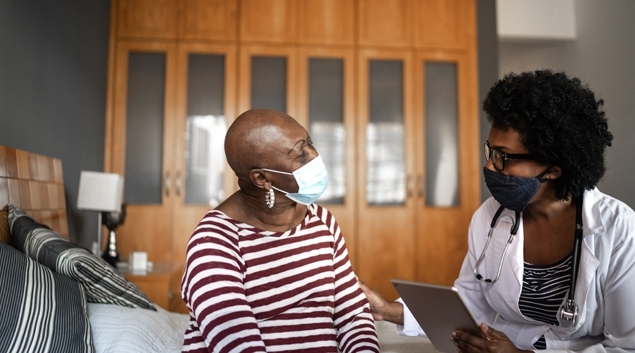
column 321, row 217
column 215, row 224
column 606, row 205
column 605, row 214
column 320, row 212
column 216, row 218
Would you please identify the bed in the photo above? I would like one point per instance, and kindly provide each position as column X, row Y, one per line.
column 59, row 297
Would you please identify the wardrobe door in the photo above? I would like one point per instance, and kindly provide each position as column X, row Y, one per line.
column 155, row 19
column 446, row 24
column 327, row 22
column 268, row 78
column 385, row 184
column 326, row 109
column 140, row 144
column 385, row 23
column 448, row 162
column 205, row 107
column 208, row 19
column 268, row 21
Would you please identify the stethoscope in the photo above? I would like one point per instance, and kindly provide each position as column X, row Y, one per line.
column 568, row 312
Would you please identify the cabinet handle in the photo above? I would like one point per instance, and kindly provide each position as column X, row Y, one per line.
column 167, row 183
column 409, row 186
column 421, row 185
column 177, row 183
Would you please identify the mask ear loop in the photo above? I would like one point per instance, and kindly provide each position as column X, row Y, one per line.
column 540, row 176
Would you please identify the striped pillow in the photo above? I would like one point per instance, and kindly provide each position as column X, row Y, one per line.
column 99, row 280
column 42, row 311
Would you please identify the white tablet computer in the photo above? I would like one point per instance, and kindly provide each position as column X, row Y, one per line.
column 439, row 310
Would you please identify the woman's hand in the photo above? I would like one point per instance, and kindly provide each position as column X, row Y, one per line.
column 381, row 308
column 492, row 341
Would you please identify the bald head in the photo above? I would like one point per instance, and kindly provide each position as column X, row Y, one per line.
column 253, row 136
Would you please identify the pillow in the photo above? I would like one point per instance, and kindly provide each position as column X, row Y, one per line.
column 119, row 329
column 42, row 311
column 99, row 280
column 5, row 237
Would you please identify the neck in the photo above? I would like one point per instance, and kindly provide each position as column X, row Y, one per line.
column 280, row 217
column 549, row 208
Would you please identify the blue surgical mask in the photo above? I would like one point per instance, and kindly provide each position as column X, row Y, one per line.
column 311, row 178
column 512, row 192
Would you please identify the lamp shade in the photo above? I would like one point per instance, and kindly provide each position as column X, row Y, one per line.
column 100, row 191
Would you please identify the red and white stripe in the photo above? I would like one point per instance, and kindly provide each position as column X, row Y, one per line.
column 250, row 290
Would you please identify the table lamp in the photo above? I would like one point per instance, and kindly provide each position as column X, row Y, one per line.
column 103, row 192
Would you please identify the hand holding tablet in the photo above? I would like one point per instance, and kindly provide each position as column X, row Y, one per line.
column 439, row 310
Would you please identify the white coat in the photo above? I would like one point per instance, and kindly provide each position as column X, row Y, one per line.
column 605, row 287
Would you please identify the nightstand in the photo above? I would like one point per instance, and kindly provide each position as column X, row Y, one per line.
column 157, row 283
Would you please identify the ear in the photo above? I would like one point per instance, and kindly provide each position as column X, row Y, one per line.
column 260, row 179
column 554, row 173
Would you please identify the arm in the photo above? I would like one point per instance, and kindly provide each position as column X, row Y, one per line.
column 213, row 290
column 619, row 287
column 381, row 308
column 353, row 320
column 396, row 312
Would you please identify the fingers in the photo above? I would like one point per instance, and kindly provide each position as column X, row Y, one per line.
column 466, row 342
column 364, row 287
column 491, row 333
column 373, row 297
column 491, row 341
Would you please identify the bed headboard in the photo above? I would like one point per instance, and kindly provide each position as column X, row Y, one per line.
column 35, row 183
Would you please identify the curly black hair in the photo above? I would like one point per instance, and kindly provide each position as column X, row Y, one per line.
column 559, row 121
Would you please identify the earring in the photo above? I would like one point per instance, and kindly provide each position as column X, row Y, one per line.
column 270, row 198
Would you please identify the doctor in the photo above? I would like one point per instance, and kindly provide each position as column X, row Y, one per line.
column 555, row 270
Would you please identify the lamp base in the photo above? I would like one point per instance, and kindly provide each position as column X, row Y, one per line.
column 111, row 255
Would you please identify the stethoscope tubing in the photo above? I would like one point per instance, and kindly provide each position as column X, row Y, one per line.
column 512, row 234
column 569, row 311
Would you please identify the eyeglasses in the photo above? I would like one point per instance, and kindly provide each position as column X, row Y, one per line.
column 498, row 157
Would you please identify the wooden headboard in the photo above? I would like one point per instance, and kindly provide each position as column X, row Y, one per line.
column 35, row 183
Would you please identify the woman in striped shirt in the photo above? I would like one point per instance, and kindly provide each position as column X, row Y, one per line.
column 268, row 270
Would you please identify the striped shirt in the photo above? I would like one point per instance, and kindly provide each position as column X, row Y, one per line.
column 544, row 290
column 250, row 290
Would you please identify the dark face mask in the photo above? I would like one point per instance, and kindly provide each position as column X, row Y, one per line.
column 512, row 192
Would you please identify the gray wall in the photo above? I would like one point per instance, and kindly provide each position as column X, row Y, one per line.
column 53, row 69
column 487, row 67
column 603, row 56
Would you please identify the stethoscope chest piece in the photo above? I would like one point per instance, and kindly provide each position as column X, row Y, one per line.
column 568, row 314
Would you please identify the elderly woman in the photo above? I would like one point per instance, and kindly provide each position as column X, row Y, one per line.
column 268, row 270
column 558, row 272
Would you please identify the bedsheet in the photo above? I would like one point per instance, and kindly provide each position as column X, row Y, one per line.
column 118, row 329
